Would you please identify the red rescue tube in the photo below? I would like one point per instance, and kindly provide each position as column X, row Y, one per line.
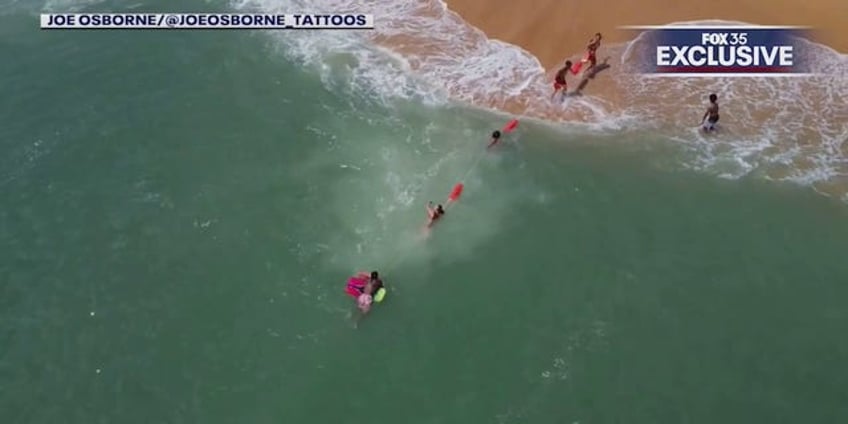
column 456, row 192
column 511, row 125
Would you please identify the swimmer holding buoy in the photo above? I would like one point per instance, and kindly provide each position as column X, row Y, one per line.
column 496, row 135
column 434, row 213
column 366, row 289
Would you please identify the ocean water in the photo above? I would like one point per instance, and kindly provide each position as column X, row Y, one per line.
column 179, row 212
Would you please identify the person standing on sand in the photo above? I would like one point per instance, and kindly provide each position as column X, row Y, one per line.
column 710, row 118
column 559, row 79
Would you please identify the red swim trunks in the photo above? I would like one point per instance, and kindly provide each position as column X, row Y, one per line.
column 590, row 56
column 559, row 82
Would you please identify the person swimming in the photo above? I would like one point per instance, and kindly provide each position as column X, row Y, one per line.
column 710, row 118
column 357, row 284
column 363, row 287
column 364, row 302
column 434, row 213
column 496, row 136
column 374, row 284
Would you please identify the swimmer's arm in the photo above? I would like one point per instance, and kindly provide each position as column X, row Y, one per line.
column 706, row 114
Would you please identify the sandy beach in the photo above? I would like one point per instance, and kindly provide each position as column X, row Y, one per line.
column 554, row 29
column 796, row 122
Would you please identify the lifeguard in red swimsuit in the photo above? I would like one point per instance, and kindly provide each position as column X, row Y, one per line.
column 591, row 54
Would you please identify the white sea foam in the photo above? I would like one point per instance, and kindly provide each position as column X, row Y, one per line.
column 69, row 6
column 14, row 7
column 789, row 129
column 435, row 56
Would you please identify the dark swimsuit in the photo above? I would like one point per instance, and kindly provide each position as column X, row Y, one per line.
column 560, row 78
column 435, row 218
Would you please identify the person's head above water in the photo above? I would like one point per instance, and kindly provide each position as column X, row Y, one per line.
column 568, row 64
column 374, row 275
column 496, row 134
column 713, row 98
column 440, row 210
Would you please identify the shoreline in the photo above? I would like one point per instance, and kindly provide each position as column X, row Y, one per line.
column 554, row 30
column 504, row 59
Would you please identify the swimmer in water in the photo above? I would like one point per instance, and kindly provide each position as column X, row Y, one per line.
column 708, row 122
column 356, row 284
column 374, row 283
column 364, row 302
column 496, row 136
column 434, row 213
column 559, row 79
column 363, row 287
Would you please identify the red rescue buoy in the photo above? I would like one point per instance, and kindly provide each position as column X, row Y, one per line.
column 456, row 192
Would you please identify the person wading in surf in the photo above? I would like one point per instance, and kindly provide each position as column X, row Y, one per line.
column 591, row 56
column 559, row 79
column 710, row 118
column 592, row 51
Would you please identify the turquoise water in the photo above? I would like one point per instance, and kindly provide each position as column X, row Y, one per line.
column 180, row 212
